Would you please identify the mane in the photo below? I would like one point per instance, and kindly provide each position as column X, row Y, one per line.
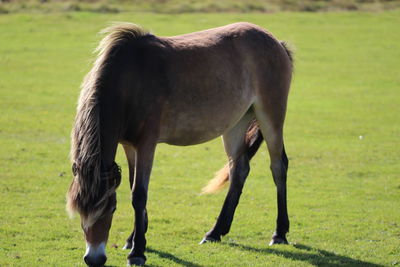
column 289, row 51
column 88, row 193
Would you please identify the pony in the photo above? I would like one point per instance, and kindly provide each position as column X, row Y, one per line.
column 231, row 81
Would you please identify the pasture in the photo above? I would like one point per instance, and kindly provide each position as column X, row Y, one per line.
column 341, row 137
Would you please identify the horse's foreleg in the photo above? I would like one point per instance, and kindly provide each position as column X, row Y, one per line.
column 144, row 161
column 235, row 147
column 130, row 153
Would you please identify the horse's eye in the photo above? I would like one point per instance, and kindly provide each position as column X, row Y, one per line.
column 113, row 209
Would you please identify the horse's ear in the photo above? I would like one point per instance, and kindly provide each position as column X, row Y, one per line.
column 117, row 174
column 74, row 169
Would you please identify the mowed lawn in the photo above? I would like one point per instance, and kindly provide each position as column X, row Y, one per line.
column 341, row 134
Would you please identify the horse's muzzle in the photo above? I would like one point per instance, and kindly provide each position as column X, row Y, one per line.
column 95, row 256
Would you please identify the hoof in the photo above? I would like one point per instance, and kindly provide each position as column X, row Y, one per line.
column 276, row 240
column 127, row 246
column 136, row 261
column 208, row 239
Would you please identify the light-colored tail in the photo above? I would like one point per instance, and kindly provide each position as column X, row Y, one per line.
column 218, row 182
column 253, row 140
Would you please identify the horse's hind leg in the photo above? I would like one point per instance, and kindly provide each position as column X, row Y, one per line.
column 271, row 121
column 235, row 147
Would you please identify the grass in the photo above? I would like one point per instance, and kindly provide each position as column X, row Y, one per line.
column 194, row 6
column 342, row 133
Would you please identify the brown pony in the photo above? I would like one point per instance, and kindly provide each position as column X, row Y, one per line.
column 183, row 90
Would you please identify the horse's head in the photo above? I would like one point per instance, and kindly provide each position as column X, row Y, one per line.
column 96, row 206
column 96, row 233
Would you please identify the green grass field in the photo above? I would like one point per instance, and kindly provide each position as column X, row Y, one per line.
column 194, row 6
column 341, row 135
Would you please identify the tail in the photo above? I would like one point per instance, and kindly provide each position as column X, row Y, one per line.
column 253, row 140
column 87, row 193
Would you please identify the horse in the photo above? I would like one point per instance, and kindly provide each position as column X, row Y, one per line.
column 232, row 81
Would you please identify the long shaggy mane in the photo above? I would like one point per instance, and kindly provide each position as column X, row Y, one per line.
column 89, row 192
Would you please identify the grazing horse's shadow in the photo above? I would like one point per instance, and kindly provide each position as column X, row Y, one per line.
column 173, row 258
column 319, row 258
column 305, row 253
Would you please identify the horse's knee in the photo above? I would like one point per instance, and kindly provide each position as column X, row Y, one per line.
column 139, row 198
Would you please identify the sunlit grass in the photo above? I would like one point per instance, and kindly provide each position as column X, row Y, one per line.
column 341, row 134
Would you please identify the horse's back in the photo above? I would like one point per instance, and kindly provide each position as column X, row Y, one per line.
column 210, row 36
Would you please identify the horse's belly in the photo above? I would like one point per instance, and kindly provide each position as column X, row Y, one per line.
column 186, row 134
column 196, row 122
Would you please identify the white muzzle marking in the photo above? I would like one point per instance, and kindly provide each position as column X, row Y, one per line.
column 95, row 252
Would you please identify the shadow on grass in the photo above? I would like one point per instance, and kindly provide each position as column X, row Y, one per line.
column 313, row 256
column 173, row 258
